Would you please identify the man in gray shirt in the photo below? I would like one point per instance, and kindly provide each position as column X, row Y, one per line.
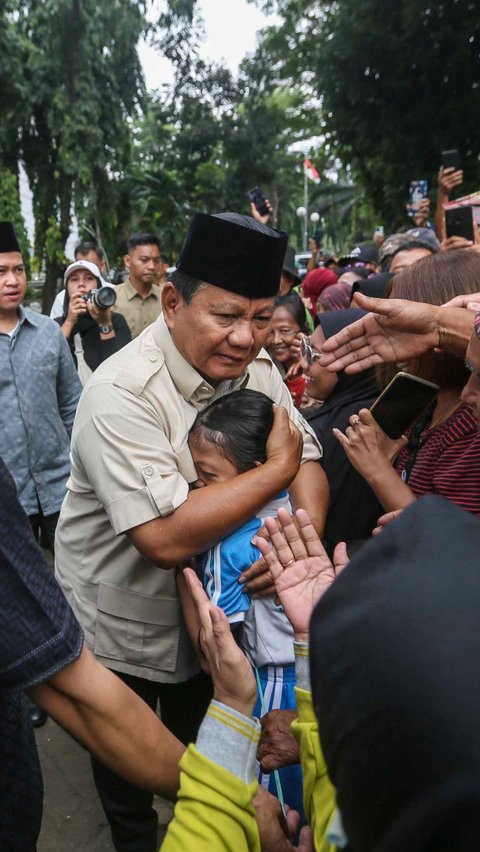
column 39, row 392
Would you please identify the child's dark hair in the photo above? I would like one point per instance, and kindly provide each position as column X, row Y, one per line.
column 239, row 425
column 293, row 304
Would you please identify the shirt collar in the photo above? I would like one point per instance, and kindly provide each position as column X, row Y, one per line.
column 26, row 315
column 192, row 386
column 131, row 292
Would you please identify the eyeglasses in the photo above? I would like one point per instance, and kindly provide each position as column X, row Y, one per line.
column 307, row 351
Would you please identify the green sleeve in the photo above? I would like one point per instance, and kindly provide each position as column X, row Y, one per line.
column 318, row 792
column 214, row 811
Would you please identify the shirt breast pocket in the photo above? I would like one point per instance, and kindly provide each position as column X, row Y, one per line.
column 139, row 629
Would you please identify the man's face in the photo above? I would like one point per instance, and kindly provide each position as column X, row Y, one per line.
column 92, row 257
column 405, row 258
column 13, row 281
column 219, row 333
column 143, row 264
column 471, row 391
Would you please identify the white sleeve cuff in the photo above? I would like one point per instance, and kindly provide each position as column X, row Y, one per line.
column 230, row 739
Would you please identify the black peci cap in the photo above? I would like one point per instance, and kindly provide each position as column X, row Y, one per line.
column 234, row 252
column 8, row 238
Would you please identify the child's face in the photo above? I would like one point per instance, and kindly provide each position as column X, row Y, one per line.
column 211, row 465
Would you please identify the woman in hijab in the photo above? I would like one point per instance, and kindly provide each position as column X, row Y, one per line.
column 354, row 509
column 93, row 334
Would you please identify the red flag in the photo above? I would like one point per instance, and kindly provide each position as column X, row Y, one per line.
column 311, row 171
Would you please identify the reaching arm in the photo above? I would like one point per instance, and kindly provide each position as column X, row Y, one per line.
column 113, row 723
column 396, row 330
column 210, row 513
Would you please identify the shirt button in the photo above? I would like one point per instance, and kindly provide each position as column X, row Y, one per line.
column 148, row 470
column 152, row 358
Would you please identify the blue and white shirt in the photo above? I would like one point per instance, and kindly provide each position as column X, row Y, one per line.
column 223, row 564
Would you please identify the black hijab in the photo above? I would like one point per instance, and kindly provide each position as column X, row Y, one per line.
column 354, row 509
column 395, row 662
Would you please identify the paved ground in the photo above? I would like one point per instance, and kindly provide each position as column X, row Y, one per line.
column 73, row 819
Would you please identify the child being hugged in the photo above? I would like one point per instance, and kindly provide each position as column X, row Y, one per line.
column 228, row 438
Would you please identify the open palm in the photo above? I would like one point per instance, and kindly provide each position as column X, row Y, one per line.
column 300, row 568
column 395, row 330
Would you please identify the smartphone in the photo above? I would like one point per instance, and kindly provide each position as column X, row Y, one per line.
column 257, row 198
column 459, row 222
column 417, row 191
column 451, row 159
column 401, row 402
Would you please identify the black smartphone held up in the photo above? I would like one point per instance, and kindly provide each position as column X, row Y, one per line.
column 451, row 160
column 404, row 398
column 459, row 222
column 257, row 198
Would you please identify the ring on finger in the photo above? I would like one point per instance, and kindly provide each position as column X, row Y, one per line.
column 290, row 562
column 355, row 420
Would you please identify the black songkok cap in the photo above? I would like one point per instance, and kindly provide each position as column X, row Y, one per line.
column 8, row 238
column 234, row 252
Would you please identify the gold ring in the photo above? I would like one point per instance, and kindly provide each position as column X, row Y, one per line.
column 289, row 563
column 355, row 420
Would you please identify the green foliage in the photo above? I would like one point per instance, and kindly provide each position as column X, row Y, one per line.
column 399, row 82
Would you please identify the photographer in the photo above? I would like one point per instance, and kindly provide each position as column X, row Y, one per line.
column 93, row 331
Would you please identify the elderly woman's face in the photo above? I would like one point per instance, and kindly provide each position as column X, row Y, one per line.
column 282, row 334
column 471, row 391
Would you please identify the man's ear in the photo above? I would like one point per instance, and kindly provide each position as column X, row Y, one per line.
column 127, row 261
column 171, row 301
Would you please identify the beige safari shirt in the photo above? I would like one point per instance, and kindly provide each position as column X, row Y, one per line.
column 138, row 312
column 130, row 463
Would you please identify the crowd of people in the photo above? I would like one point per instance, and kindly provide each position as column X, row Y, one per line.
column 239, row 545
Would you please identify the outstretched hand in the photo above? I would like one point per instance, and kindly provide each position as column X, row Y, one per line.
column 233, row 680
column 299, row 565
column 394, row 330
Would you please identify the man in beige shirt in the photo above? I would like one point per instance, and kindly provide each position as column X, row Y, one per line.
column 130, row 516
column 139, row 297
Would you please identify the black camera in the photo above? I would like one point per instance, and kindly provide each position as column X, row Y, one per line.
column 102, row 297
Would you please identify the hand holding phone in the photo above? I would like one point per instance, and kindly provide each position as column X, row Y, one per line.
column 402, row 401
column 258, row 199
column 451, row 159
column 418, row 190
column 459, row 222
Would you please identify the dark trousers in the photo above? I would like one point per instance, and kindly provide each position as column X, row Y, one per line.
column 132, row 819
column 44, row 527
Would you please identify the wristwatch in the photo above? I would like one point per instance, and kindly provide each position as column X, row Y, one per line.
column 106, row 329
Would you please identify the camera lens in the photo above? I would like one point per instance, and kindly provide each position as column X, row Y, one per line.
column 104, row 297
